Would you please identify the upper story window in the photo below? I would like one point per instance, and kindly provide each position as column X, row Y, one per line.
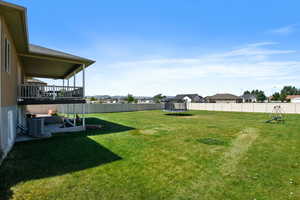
column 7, row 55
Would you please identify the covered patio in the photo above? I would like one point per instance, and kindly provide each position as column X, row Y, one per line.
column 62, row 67
column 42, row 62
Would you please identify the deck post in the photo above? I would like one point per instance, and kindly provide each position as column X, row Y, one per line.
column 74, row 80
column 63, row 90
column 83, row 80
column 68, row 110
column 83, row 94
column 74, row 85
column 53, row 92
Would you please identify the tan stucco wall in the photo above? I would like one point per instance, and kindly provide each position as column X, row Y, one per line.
column 9, row 80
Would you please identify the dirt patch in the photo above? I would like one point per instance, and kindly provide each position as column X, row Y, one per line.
column 190, row 117
column 167, row 128
column 148, row 131
column 239, row 147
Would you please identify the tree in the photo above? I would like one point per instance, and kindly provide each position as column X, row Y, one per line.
column 93, row 99
column 288, row 90
column 260, row 95
column 276, row 96
column 129, row 98
column 157, row 98
column 247, row 92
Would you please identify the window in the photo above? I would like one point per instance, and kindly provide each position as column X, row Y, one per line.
column 7, row 55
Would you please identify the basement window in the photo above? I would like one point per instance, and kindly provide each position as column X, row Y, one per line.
column 7, row 55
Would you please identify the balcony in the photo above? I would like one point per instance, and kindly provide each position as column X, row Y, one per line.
column 49, row 94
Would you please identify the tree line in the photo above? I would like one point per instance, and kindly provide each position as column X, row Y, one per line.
column 286, row 90
column 277, row 96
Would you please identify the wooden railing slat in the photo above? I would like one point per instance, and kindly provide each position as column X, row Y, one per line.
column 49, row 91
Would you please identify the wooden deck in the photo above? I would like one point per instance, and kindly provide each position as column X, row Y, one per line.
column 37, row 101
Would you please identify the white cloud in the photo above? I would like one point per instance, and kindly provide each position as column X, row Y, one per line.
column 248, row 67
column 285, row 30
column 260, row 44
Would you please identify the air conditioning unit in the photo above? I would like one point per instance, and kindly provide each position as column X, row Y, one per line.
column 36, row 127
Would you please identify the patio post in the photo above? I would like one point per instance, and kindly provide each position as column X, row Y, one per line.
column 63, row 92
column 83, row 94
column 68, row 110
column 74, row 90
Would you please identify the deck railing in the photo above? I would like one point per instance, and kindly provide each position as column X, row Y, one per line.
column 27, row 91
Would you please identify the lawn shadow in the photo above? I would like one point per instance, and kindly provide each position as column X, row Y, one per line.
column 179, row 114
column 59, row 155
column 107, row 127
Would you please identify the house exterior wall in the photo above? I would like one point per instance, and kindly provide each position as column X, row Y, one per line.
column 187, row 99
column 295, row 100
column 9, row 80
column 9, row 110
column 250, row 100
column 41, row 109
column 8, row 128
column 197, row 99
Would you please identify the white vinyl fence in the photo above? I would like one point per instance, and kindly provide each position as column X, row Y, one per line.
column 246, row 107
column 105, row 108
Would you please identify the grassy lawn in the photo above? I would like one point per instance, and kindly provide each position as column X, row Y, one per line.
column 151, row 155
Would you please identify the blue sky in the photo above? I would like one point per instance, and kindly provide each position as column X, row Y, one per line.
column 171, row 46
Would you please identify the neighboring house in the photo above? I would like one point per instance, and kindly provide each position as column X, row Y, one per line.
column 249, row 98
column 224, row 98
column 189, row 98
column 19, row 61
column 88, row 101
column 143, row 100
column 167, row 99
column 293, row 98
column 104, row 99
column 34, row 81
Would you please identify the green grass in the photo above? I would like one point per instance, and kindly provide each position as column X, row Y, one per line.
column 150, row 155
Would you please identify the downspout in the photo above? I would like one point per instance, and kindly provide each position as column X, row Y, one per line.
column 1, row 135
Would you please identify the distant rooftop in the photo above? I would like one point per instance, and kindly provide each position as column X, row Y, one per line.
column 223, row 96
column 292, row 96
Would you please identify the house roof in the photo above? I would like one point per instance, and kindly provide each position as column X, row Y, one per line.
column 39, row 50
column 168, row 99
column 292, row 96
column 223, row 96
column 38, row 61
column 36, row 81
column 48, row 63
column 15, row 17
column 191, row 96
column 143, row 98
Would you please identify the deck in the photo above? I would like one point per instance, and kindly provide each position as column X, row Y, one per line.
column 49, row 94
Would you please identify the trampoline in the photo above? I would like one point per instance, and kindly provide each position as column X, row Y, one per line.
column 175, row 107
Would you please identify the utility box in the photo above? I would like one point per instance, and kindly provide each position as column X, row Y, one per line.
column 36, row 127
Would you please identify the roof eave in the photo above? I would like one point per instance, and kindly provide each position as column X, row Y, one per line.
column 24, row 47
